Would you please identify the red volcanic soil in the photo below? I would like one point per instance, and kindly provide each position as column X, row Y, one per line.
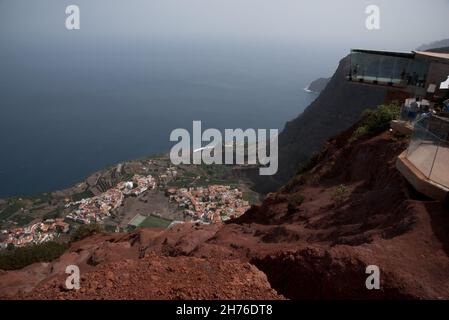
column 314, row 239
column 157, row 277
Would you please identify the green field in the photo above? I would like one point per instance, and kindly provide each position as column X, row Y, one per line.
column 155, row 222
column 10, row 210
column 22, row 219
column 137, row 220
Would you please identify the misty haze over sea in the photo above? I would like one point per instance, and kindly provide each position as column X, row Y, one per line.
column 74, row 113
column 74, row 102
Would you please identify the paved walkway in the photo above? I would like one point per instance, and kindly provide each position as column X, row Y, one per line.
column 423, row 159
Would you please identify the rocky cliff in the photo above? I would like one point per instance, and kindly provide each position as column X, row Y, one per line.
column 314, row 239
column 318, row 85
column 434, row 45
column 338, row 107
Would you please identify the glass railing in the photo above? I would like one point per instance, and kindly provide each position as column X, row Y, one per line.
column 387, row 68
column 407, row 116
column 429, row 154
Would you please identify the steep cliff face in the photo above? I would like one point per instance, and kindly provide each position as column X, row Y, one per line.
column 338, row 107
column 434, row 45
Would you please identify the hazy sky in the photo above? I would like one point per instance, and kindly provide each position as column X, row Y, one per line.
column 319, row 32
column 340, row 25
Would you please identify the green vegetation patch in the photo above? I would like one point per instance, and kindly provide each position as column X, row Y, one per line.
column 12, row 208
column 294, row 201
column 22, row 219
column 42, row 198
column 376, row 121
column 155, row 222
column 251, row 197
column 179, row 183
column 84, row 231
column 339, row 195
column 21, row 257
column 110, row 228
column 82, row 195
column 205, row 182
column 52, row 214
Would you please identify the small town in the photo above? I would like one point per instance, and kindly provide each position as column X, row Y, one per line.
column 206, row 204
column 34, row 234
column 213, row 204
column 97, row 208
column 85, row 211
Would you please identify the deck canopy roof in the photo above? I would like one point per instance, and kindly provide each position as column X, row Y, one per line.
column 444, row 57
column 398, row 54
column 441, row 57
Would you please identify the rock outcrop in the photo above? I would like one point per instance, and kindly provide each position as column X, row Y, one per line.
column 318, row 85
column 339, row 106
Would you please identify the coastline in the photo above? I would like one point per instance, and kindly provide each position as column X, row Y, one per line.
column 310, row 91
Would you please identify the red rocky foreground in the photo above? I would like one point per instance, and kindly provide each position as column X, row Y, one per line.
column 312, row 240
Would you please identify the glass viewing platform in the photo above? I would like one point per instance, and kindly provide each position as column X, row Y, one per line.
column 388, row 68
column 425, row 164
column 429, row 149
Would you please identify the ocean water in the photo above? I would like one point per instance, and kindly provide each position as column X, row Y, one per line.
column 67, row 111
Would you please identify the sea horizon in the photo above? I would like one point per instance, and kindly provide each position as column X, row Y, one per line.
column 128, row 101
